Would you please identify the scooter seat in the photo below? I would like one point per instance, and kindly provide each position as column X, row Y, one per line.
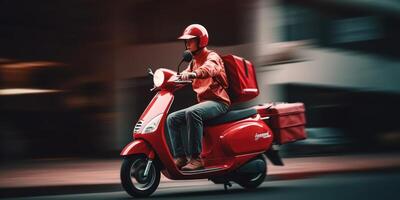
column 230, row 116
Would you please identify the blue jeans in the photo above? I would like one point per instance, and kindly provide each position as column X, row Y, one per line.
column 186, row 126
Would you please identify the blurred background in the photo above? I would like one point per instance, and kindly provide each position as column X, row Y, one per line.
column 73, row 78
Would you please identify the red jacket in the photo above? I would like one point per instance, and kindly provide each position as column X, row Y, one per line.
column 210, row 77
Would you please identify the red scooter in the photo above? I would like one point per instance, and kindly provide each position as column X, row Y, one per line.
column 235, row 145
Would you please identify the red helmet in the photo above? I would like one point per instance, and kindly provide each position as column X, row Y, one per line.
column 193, row 31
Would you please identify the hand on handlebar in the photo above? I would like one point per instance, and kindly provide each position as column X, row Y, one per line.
column 187, row 76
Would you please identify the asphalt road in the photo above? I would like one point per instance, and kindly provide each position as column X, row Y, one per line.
column 382, row 185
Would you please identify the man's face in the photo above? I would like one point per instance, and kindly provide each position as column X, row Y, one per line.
column 191, row 44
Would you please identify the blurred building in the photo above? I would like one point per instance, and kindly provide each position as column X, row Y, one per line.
column 341, row 59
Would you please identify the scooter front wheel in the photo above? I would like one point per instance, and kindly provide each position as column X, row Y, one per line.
column 132, row 176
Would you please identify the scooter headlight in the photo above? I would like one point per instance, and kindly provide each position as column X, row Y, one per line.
column 153, row 124
column 158, row 78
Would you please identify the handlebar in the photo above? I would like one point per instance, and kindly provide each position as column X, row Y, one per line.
column 182, row 81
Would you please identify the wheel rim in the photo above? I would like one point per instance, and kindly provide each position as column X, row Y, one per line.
column 256, row 177
column 139, row 181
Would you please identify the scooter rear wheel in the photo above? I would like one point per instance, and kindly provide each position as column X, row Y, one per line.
column 132, row 176
column 251, row 181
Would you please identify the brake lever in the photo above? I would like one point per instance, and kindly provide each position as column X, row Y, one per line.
column 152, row 89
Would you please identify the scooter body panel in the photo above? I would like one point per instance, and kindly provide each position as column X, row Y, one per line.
column 238, row 141
column 160, row 104
column 136, row 147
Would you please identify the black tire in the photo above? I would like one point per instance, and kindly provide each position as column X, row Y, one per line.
column 252, row 181
column 132, row 179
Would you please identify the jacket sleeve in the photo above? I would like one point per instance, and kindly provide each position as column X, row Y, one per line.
column 211, row 68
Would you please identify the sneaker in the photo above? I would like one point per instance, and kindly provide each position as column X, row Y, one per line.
column 180, row 162
column 194, row 164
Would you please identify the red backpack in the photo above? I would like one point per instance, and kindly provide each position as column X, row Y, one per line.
column 241, row 77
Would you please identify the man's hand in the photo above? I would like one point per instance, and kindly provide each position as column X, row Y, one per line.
column 188, row 75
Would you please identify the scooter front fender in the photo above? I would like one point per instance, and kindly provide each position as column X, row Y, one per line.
column 137, row 147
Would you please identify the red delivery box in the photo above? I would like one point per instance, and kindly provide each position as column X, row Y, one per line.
column 287, row 120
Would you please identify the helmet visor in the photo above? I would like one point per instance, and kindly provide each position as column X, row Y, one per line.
column 186, row 37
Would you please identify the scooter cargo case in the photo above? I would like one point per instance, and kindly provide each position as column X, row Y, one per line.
column 287, row 120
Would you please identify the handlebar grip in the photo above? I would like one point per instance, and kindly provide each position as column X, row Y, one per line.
column 181, row 81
